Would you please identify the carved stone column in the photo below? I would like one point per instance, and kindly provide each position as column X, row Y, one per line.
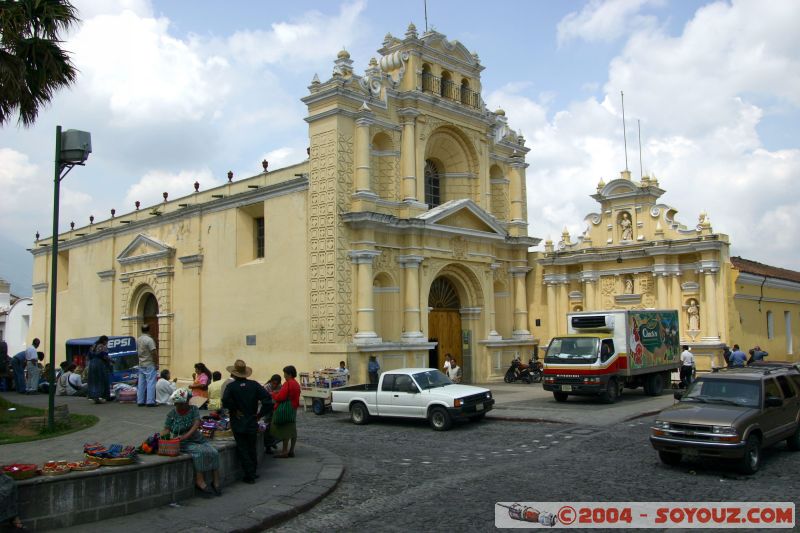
column 518, row 225
column 362, row 155
column 492, row 306
column 661, row 291
column 365, row 312
column 588, row 295
column 412, row 323
column 675, row 292
column 408, row 160
column 520, row 303
column 711, row 326
column 552, row 309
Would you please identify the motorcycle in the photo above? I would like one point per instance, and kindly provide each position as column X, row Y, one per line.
column 533, row 372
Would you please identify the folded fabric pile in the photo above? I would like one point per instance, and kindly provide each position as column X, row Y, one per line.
column 115, row 451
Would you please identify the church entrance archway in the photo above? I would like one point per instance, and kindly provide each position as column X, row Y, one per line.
column 444, row 322
column 148, row 311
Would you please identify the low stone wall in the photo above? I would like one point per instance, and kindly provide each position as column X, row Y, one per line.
column 82, row 497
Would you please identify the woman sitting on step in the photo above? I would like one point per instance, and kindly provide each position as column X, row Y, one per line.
column 183, row 423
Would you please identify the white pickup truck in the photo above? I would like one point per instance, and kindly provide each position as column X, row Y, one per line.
column 414, row 393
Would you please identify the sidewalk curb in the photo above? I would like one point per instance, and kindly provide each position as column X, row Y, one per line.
column 525, row 419
column 327, row 480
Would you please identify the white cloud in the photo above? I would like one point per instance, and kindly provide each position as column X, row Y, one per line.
column 284, row 156
column 605, row 20
column 150, row 188
column 699, row 98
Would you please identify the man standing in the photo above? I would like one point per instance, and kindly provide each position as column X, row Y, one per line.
column 32, row 367
column 146, row 383
column 687, row 366
column 758, row 354
column 241, row 398
column 738, row 358
column 18, row 367
column 454, row 372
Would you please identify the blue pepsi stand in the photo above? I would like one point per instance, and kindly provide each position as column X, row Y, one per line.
column 121, row 350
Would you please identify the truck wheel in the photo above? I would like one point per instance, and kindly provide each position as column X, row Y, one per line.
column 359, row 414
column 669, row 458
column 654, row 384
column 318, row 406
column 440, row 419
column 611, row 393
column 751, row 461
column 560, row 396
column 793, row 442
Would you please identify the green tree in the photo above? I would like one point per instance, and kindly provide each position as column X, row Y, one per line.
column 32, row 64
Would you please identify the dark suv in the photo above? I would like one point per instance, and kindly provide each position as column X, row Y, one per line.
column 732, row 414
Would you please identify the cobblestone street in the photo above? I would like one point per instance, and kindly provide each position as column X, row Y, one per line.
column 402, row 476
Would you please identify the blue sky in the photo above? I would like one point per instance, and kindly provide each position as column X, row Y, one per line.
column 174, row 91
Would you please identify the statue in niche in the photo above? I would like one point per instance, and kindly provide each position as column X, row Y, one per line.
column 626, row 227
column 693, row 312
column 628, row 286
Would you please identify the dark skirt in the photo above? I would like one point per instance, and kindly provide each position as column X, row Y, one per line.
column 283, row 431
column 99, row 379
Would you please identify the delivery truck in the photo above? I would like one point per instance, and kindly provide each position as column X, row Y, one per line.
column 605, row 352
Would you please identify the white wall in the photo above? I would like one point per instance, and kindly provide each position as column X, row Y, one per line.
column 18, row 322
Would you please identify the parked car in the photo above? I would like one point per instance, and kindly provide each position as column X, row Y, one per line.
column 414, row 393
column 732, row 414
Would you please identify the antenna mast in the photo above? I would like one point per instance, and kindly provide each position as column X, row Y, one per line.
column 639, row 125
column 426, row 15
column 624, row 135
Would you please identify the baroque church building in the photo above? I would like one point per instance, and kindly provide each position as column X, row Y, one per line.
column 403, row 236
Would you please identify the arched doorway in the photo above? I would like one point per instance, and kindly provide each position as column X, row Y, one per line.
column 444, row 322
column 149, row 316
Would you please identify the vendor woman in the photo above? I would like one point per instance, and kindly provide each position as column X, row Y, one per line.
column 183, row 422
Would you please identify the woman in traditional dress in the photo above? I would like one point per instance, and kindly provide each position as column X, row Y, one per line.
column 9, row 516
column 202, row 379
column 183, row 423
column 99, row 371
column 286, row 431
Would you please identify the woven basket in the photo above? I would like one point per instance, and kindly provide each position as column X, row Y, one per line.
column 169, row 447
column 19, row 475
column 56, row 472
column 86, row 467
column 117, row 461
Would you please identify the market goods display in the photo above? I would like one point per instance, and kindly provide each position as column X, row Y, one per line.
column 20, row 471
column 114, row 455
column 83, row 466
column 55, row 468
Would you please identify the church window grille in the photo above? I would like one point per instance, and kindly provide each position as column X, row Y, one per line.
column 433, row 191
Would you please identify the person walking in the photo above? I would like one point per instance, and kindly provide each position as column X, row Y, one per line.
column 148, row 371
column 99, row 376
column 448, row 361
column 454, row 372
column 738, row 358
column 32, row 367
column 287, row 400
column 242, row 398
column 687, row 367
column 18, row 368
column 373, row 369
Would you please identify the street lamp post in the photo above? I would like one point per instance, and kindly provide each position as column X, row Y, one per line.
column 72, row 148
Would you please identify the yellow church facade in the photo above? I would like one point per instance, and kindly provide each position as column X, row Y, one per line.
column 403, row 236
column 634, row 254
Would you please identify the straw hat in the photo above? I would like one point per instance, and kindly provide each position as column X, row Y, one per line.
column 239, row 369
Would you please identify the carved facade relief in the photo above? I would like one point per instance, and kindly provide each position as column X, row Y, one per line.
column 625, row 226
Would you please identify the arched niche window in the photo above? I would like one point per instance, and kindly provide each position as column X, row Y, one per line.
column 433, row 191
column 427, row 78
column 465, row 91
column 447, row 85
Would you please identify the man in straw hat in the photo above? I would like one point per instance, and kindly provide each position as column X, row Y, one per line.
column 242, row 398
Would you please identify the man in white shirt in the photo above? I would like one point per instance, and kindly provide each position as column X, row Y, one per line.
column 454, row 372
column 32, row 367
column 687, row 366
column 148, row 372
column 164, row 388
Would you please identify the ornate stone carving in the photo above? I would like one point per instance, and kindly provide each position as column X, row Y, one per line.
column 625, row 227
column 693, row 315
column 459, row 246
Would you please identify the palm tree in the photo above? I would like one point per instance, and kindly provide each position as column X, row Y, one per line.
column 32, row 64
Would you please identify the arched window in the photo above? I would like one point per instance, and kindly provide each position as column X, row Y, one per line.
column 465, row 91
column 433, row 192
column 447, row 85
column 427, row 78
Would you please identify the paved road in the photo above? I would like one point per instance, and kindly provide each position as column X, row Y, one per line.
column 402, row 476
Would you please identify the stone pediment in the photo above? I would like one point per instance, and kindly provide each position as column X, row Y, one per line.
column 454, row 49
column 144, row 248
column 462, row 216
